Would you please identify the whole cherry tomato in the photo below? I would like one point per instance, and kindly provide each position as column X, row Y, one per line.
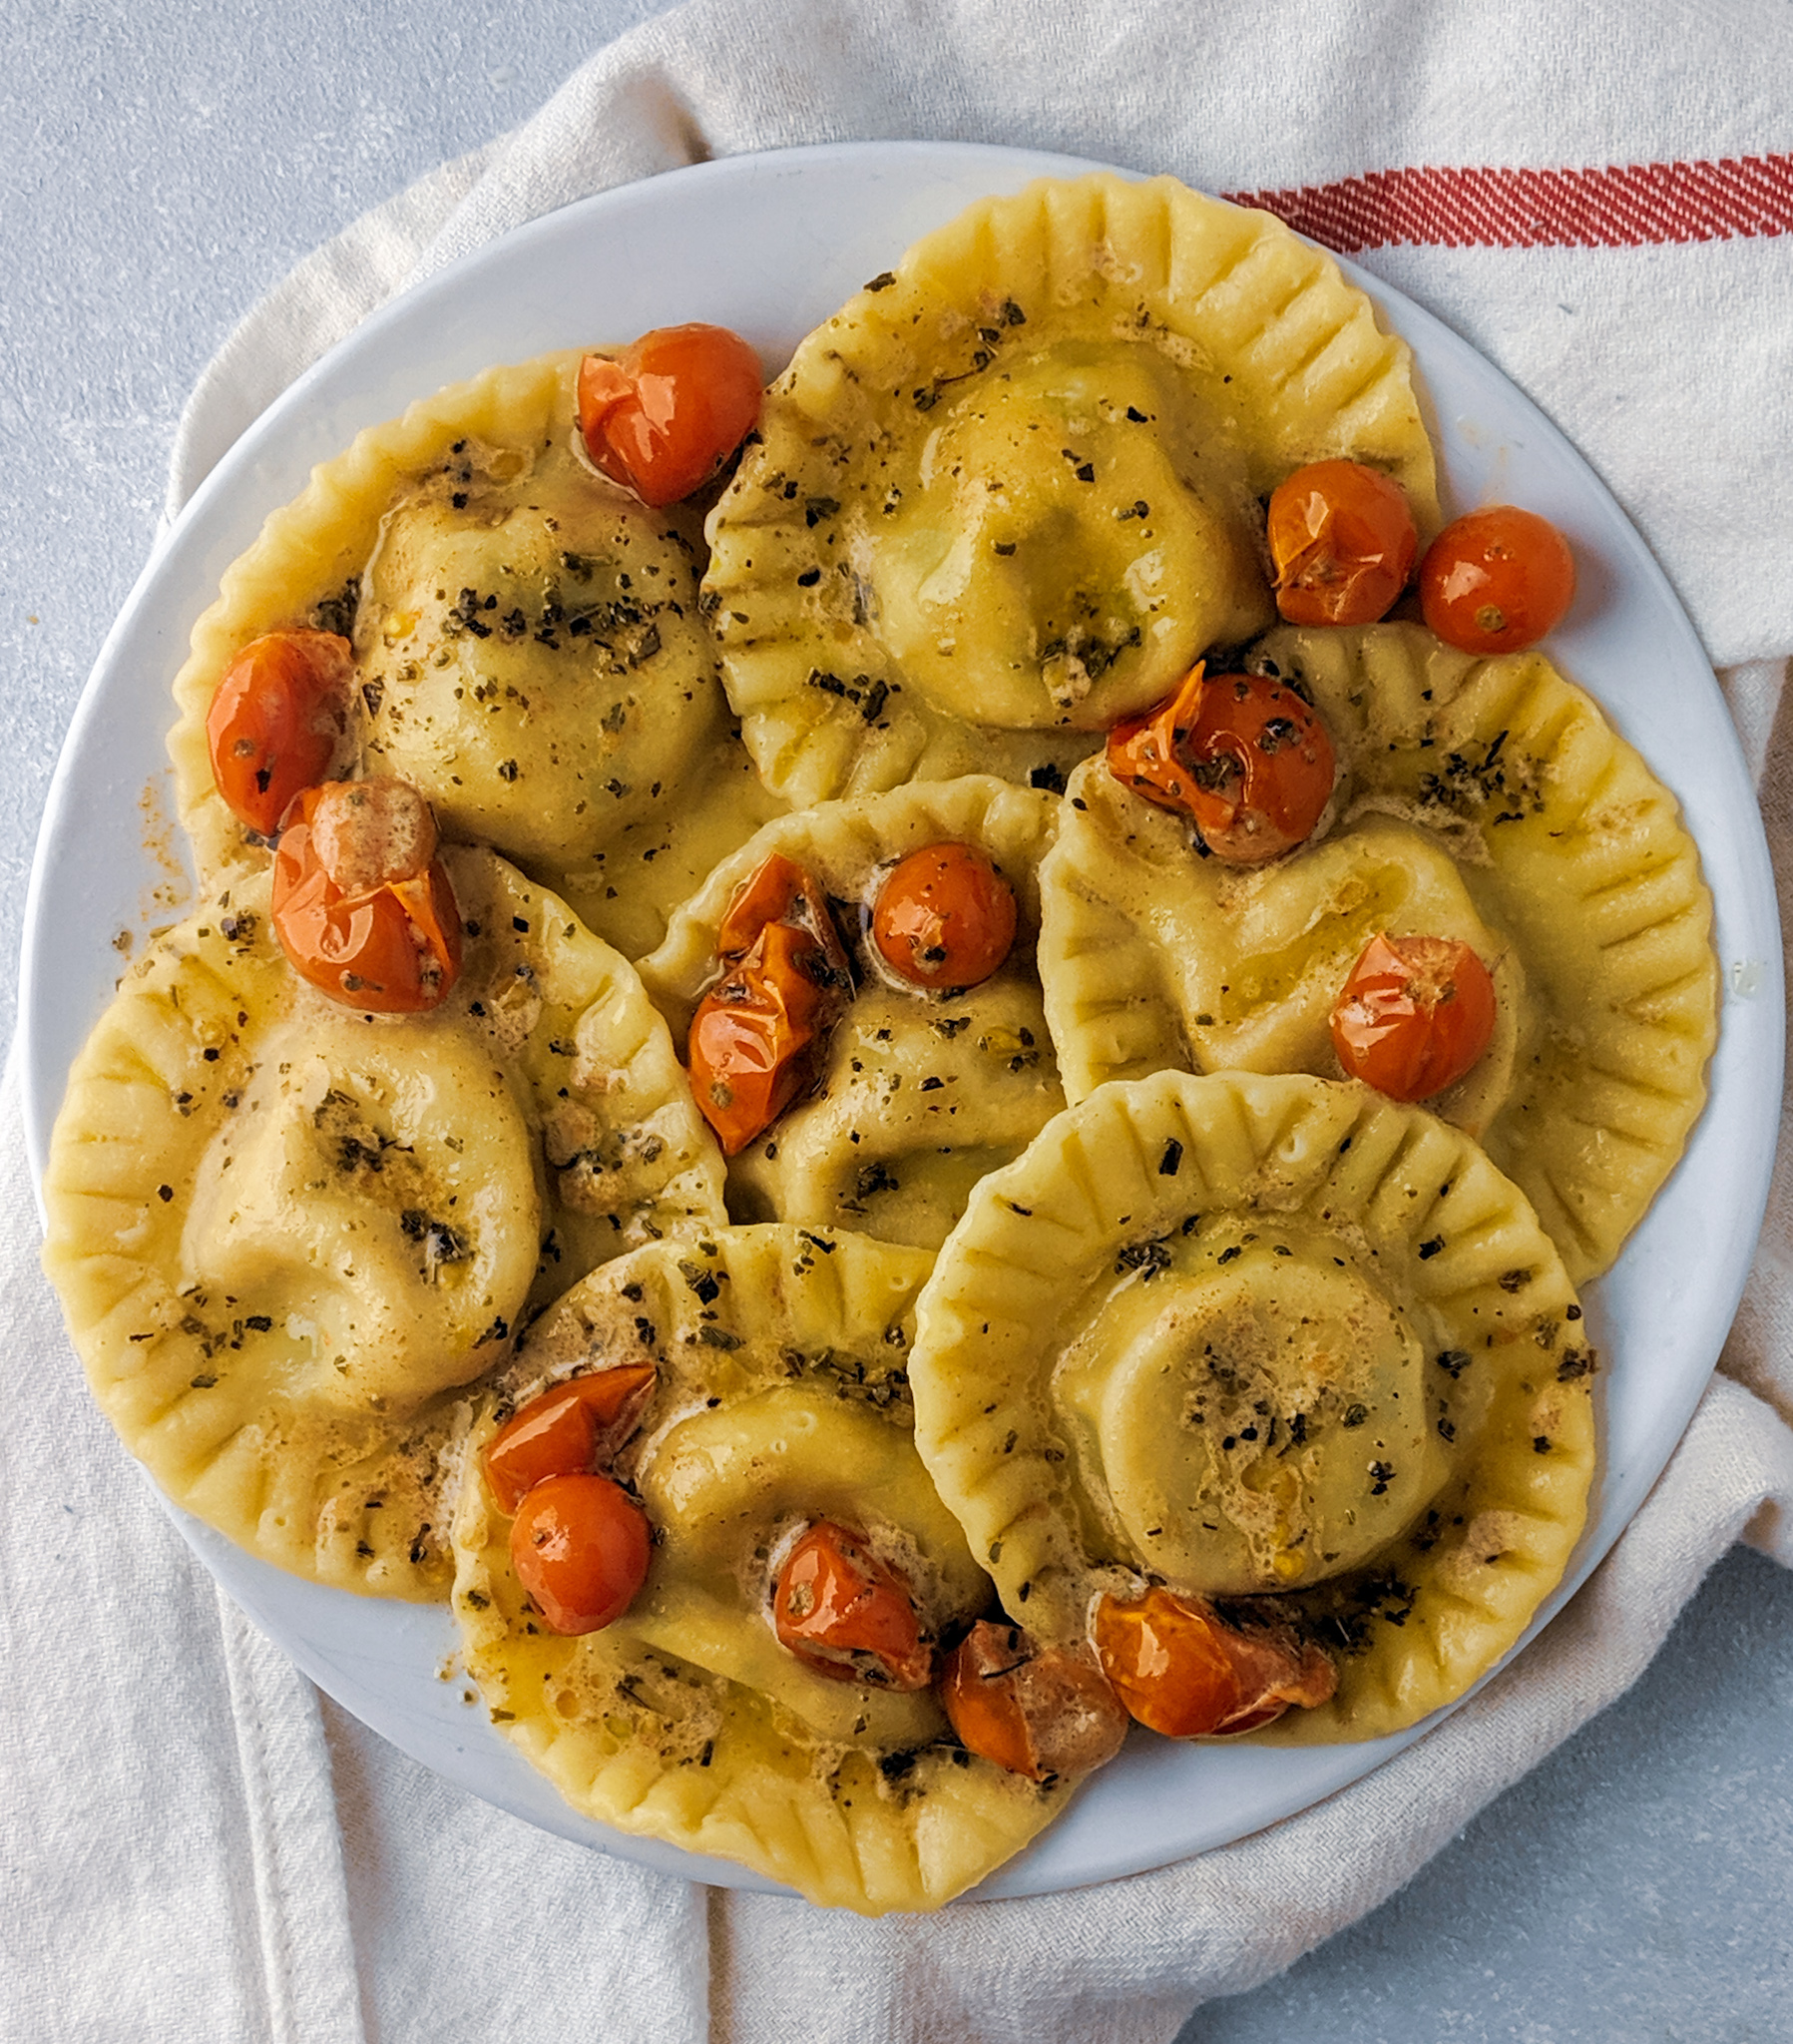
column 1343, row 541
column 1182, row 1670
column 563, row 1431
column 1414, row 1015
column 848, row 1615
column 580, row 1545
column 276, row 721
column 1035, row 1711
column 362, row 906
column 663, row 416
column 1242, row 754
column 784, row 976
column 1497, row 580
column 944, row 918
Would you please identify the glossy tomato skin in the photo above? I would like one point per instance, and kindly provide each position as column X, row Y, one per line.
column 277, row 720
column 1416, row 1014
column 1497, row 581
column 1042, row 1712
column 1343, row 541
column 944, row 918
column 786, row 973
column 848, row 1615
column 1242, row 754
column 580, row 1546
column 565, row 1430
column 1182, row 1670
column 393, row 948
column 663, row 416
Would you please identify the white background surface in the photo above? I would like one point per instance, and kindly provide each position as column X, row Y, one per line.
column 158, row 170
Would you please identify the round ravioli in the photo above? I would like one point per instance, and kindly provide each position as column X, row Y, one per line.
column 527, row 650
column 1486, row 800
column 781, row 1399
column 287, row 1235
column 1271, row 1340
column 917, row 1094
column 1013, row 489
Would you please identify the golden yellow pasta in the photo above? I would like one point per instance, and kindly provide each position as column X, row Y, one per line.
column 781, row 1399
column 528, row 650
column 1264, row 1339
column 1486, row 800
column 287, row 1235
column 1011, row 491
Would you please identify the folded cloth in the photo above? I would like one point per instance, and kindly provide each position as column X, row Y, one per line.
column 1590, row 202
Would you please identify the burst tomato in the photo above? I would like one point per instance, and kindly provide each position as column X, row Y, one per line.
column 944, row 917
column 1497, row 580
column 663, row 416
column 848, row 1615
column 566, row 1429
column 1182, row 1670
column 1242, row 754
column 361, row 906
column 1343, row 541
column 784, row 975
column 1415, row 1016
column 277, row 720
column 580, row 1546
column 1035, row 1711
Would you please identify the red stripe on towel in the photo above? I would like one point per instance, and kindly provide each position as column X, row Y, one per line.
column 1623, row 205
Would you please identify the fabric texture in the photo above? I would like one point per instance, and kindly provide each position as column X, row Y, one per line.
column 244, row 1861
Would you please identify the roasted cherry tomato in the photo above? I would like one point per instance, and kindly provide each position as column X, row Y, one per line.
column 1035, row 1711
column 848, row 1615
column 362, row 906
column 1415, row 1016
column 1343, row 542
column 276, row 723
column 663, row 416
column 944, row 918
column 580, row 1546
column 1242, row 753
column 565, row 1430
column 1182, row 1670
column 784, row 975
column 1497, row 580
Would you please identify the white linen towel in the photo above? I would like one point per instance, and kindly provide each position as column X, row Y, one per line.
column 231, row 1860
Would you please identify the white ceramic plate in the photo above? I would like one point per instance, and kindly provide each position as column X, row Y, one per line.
column 771, row 245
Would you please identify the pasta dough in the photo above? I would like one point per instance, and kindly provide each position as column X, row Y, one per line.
column 781, row 1399
column 1272, row 1338
column 287, row 1235
column 1483, row 799
column 918, row 1095
column 1011, row 492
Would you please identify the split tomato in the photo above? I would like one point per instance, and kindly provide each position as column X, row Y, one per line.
column 566, row 1429
column 1035, row 1711
column 1343, row 541
column 362, row 906
column 1242, row 754
column 1415, row 1016
column 1182, row 1670
column 663, row 416
column 848, row 1615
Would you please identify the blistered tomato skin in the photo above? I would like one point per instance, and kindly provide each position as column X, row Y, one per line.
column 1042, row 1712
column 663, row 416
column 847, row 1615
column 276, row 721
column 1343, row 541
column 389, row 942
column 1497, row 581
column 580, row 1546
column 1416, row 1014
column 944, row 918
column 565, row 1430
column 1182, row 1670
column 1242, row 754
column 786, row 973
